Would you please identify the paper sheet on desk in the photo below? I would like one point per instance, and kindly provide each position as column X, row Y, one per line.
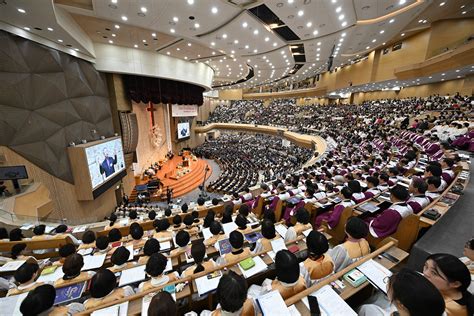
column 12, row 265
column 272, row 304
column 376, row 273
column 257, row 268
column 277, row 245
column 330, row 303
column 205, row 284
column 93, row 262
column 56, row 275
column 11, row 305
column 281, row 230
column 130, row 248
column 80, row 229
column 132, row 275
column 206, row 233
column 116, row 310
column 229, row 227
column 165, row 245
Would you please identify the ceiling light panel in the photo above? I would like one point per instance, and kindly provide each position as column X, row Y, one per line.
column 322, row 15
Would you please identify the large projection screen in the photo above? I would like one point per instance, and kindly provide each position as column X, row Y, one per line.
column 96, row 166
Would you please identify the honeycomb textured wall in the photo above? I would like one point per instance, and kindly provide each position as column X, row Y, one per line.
column 47, row 100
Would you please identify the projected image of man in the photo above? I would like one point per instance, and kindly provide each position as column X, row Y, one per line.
column 107, row 166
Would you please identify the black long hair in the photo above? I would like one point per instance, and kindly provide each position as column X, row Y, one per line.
column 455, row 270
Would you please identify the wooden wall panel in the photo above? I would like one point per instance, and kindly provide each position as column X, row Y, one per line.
column 230, row 94
column 413, row 51
column 447, row 34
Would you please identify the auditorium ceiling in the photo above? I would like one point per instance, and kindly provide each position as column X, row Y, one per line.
column 246, row 42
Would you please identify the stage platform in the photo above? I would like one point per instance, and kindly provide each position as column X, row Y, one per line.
column 181, row 176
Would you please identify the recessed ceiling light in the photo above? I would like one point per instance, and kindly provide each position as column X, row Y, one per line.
column 60, row 40
column 374, row 40
column 246, row 47
column 189, row 44
column 224, row 35
column 117, row 26
column 185, row 57
column 21, row 10
column 136, row 46
column 214, row 10
column 457, row 70
column 175, row 19
column 403, row 34
column 267, row 39
column 319, row 44
column 50, row 29
column 190, row 2
column 111, row 42
column 113, row 35
column 113, row 1
column 26, row 28
column 236, row 41
column 309, row 24
column 168, row 53
column 343, row 23
column 341, row 17
column 212, row 43
column 275, row 44
column 255, row 50
column 463, row 12
column 144, row 41
column 368, row 47
column 391, row 21
column 338, row 9
column 300, row 13
column 172, row 30
column 196, row 25
column 124, row 18
column 315, row 32
column 402, row 2
column 245, row 24
column 144, row 10
column 382, row 31
column 443, row 74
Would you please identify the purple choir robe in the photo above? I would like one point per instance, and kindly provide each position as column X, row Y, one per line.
column 418, row 203
column 387, row 223
column 333, row 216
column 358, row 197
column 448, row 176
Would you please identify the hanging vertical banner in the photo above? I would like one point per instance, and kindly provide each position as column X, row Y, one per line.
column 184, row 110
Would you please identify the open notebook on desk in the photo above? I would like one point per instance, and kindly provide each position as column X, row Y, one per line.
column 330, row 303
column 208, row 282
column 116, row 310
column 376, row 273
column 272, row 304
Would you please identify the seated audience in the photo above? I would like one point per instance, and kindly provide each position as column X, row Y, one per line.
column 103, row 289
column 288, row 281
column 162, row 304
column 25, row 277
column 155, row 268
column 387, row 222
column 355, row 246
column 318, row 264
column 40, row 301
column 452, row 278
column 410, row 294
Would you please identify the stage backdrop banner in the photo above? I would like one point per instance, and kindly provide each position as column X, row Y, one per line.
column 184, row 110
